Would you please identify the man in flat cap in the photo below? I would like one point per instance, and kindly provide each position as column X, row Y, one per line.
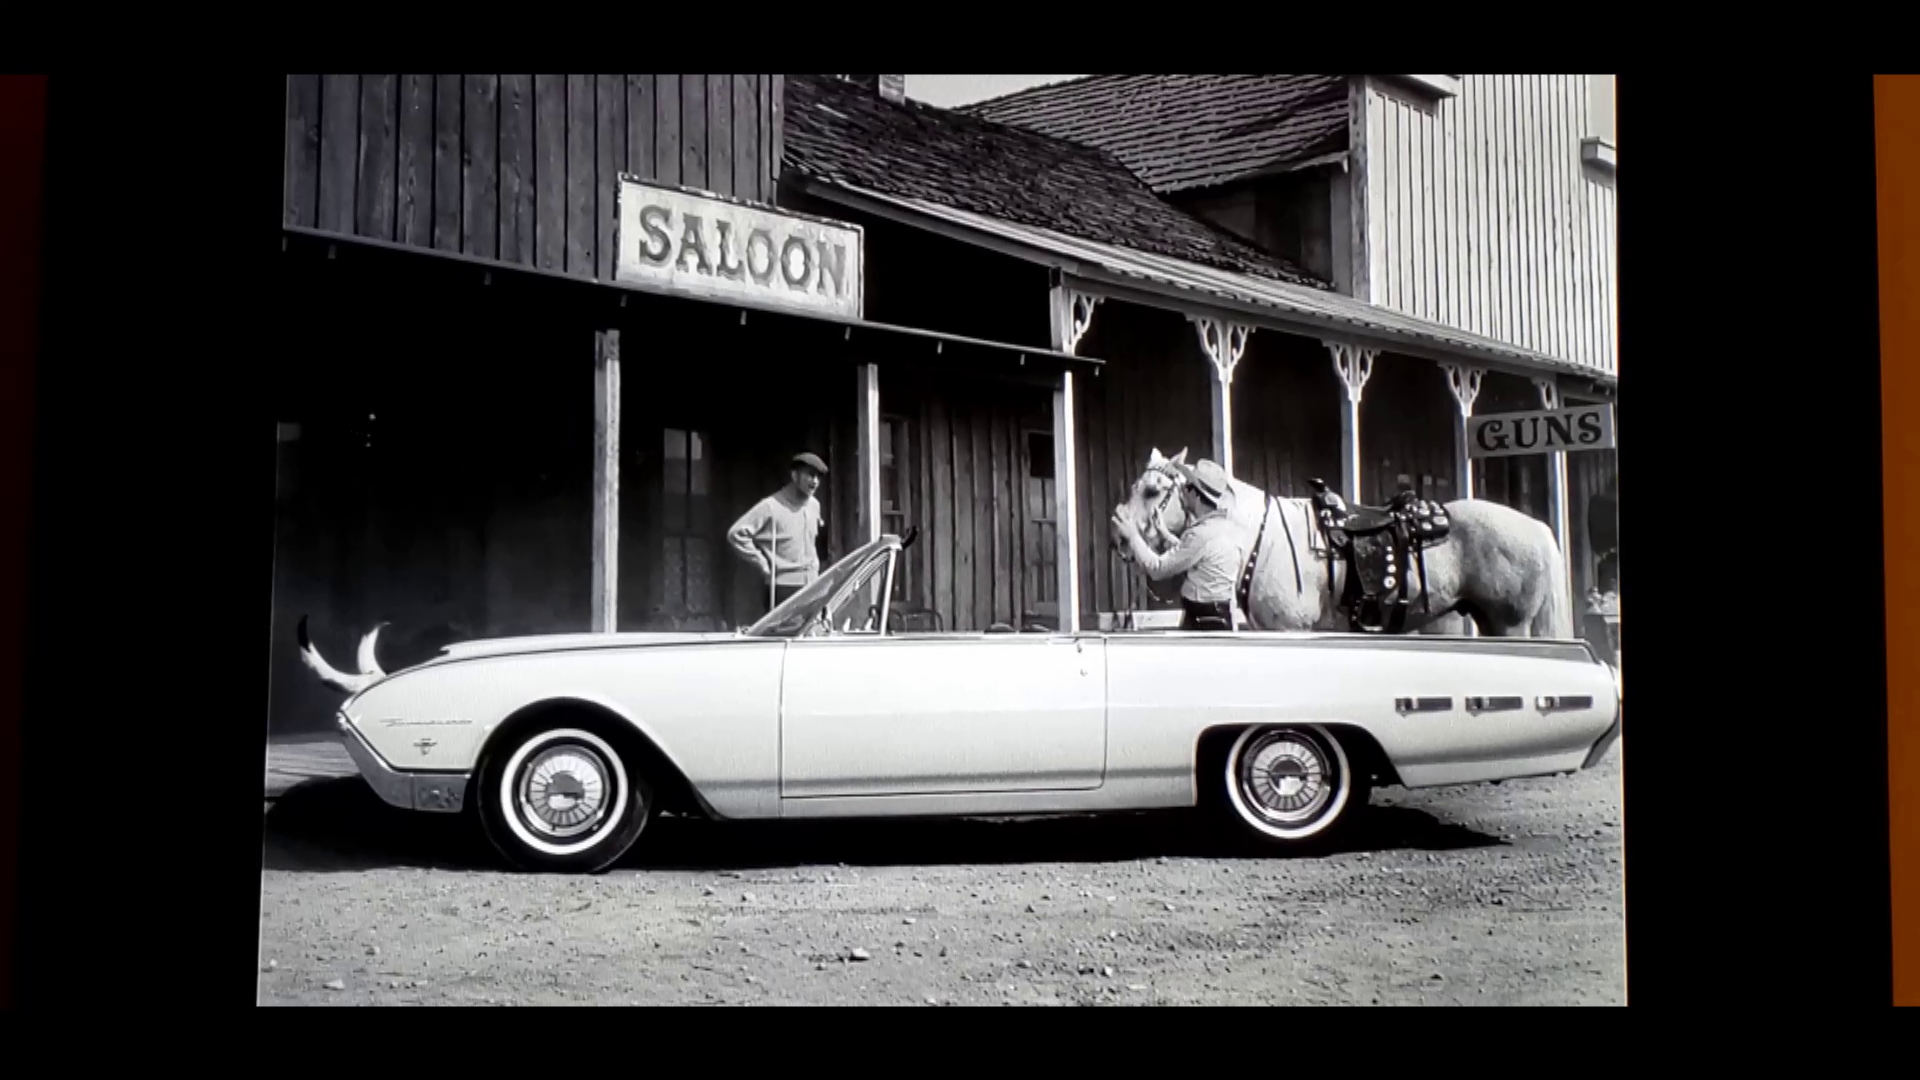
column 780, row 535
column 1211, row 550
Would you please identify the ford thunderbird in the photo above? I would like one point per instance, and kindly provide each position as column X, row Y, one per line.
column 565, row 747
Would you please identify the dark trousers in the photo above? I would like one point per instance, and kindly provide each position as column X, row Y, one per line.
column 782, row 594
column 1195, row 611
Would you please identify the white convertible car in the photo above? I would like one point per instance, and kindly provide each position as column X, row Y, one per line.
column 567, row 746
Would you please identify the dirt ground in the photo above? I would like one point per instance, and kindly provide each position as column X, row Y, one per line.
column 1484, row 895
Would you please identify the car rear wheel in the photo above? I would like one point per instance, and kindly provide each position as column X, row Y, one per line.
column 561, row 798
column 1292, row 785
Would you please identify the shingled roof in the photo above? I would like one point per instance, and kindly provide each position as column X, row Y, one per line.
column 840, row 134
column 1179, row 132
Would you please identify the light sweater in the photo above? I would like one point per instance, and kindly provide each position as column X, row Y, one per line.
column 1209, row 555
column 791, row 531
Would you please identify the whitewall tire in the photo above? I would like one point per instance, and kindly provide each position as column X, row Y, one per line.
column 1291, row 785
column 562, row 798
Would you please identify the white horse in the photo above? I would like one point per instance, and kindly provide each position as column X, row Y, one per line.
column 1498, row 566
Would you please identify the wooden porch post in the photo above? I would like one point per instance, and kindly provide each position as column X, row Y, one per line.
column 1354, row 366
column 1464, row 381
column 1224, row 343
column 1557, row 514
column 1072, row 314
column 868, row 451
column 1066, row 535
column 605, row 587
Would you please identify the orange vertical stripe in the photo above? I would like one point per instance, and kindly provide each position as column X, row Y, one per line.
column 1897, row 141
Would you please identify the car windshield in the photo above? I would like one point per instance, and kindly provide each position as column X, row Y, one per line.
column 829, row 600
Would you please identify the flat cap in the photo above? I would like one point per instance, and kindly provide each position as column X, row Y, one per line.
column 811, row 461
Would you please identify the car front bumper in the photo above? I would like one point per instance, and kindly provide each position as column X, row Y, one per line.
column 440, row 793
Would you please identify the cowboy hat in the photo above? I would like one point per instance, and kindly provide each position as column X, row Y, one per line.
column 1207, row 478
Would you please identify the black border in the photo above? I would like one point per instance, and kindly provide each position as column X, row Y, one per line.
column 1756, row 750
column 151, row 550
column 1756, row 773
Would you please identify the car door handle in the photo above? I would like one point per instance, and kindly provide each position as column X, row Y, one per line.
column 1495, row 704
column 1557, row 704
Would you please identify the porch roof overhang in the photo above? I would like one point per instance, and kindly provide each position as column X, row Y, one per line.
column 1159, row 281
column 882, row 344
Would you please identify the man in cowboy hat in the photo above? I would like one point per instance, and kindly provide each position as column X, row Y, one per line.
column 1210, row 552
column 780, row 535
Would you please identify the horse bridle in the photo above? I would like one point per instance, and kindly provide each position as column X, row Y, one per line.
column 1174, row 482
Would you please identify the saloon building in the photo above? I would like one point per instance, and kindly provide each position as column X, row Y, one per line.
column 555, row 333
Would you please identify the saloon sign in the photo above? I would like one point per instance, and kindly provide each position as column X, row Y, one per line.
column 1589, row 427
column 690, row 244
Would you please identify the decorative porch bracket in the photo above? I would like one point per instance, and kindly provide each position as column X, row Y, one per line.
column 1354, row 365
column 1072, row 314
column 1557, row 511
column 604, row 588
column 1464, row 381
column 1224, row 343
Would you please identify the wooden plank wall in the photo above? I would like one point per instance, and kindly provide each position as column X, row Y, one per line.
column 1153, row 392
column 1519, row 482
column 981, row 555
column 1286, row 414
column 1406, row 427
column 1593, row 479
column 1484, row 217
column 518, row 168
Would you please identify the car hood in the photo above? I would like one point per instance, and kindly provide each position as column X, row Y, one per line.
column 545, row 643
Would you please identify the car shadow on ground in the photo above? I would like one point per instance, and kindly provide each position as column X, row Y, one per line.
column 339, row 825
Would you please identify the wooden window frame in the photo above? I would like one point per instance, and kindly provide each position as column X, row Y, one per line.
column 688, row 531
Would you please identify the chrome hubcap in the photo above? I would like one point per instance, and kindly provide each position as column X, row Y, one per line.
column 1285, row 779
column 563, row 791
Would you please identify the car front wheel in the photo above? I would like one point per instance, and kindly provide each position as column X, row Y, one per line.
column 562, row 799
column 1291, row 785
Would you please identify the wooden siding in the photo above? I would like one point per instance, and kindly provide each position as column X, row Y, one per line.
column 1482, row 215
column 1521, row 481
column 517, row 168
column 1286, row 414
column 1153, row 392
column 985, row 550
column 1593, row 480
column 1406, row 428
column 1593, row 510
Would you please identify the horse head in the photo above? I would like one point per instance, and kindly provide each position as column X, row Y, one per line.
column 1154, row 497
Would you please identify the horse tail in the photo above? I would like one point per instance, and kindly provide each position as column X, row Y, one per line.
column 1554, row 619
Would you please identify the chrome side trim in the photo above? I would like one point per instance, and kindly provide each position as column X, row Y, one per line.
column 440, row 793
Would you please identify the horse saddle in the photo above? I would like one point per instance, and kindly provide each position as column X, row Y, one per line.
column 1382, row 546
